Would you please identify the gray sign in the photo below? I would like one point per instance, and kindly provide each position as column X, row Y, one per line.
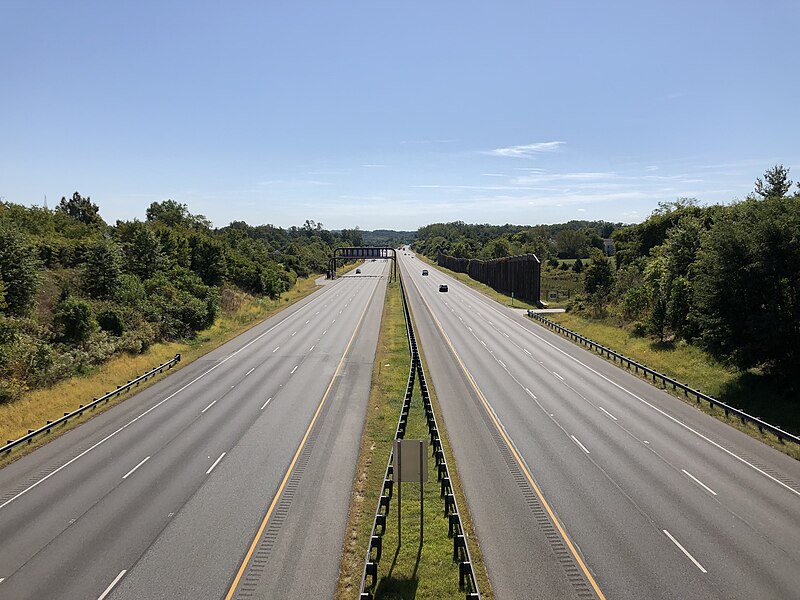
column 410, row 461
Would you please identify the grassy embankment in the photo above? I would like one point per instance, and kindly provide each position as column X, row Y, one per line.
column 35, row 408
column 410, row 571
column 749, row 391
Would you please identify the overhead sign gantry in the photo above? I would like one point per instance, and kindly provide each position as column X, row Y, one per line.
column 362, row 252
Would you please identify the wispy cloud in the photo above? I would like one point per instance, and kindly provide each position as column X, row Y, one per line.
column 427, row 141
column 373, row 166
column 540, row 177
column 527, row 150
column 293, row 182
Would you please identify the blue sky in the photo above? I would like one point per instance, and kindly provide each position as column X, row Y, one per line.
column 396, row 115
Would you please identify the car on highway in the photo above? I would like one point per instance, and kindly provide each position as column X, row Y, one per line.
column 424, row 271
column 358, row 271
column 443, row 287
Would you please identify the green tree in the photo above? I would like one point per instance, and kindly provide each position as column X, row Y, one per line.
column 599, row 275
column 498, row 248
column 776, row 183
column 81, row 209
column 169, row 212
column 208, row 260
column 102, row 268
column 571, row 243
column 173, row 214
column 577, row 266
column 18, row 270
column 73, row 320
column 747, row 289
column 143, row 250
column 599, row 281
column 656, row 280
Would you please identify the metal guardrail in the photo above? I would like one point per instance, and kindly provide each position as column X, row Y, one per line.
column 32, row 433
column 665, row 380
column 467, row 581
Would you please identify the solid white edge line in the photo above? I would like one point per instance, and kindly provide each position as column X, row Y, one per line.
column 531, row 393
column 112, row 584
column 559, row 376
column 250, row 371
column 700, row 483
column 136, row 467
column 216, row 462
column 207, row 407
column 293, row 370
column 265, row 404
column 579, row 444
column 525, row 350
column 608, row 413
column 502, row 364
column 689, row 556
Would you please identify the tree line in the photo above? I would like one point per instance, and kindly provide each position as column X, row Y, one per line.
column 722, row 277
column 75, row 290
column 575, row 239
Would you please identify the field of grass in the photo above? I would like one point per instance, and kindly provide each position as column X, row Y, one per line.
column 749, row 391
column 412, row 570
column 35, row 408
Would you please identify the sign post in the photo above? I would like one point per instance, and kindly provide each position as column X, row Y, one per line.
column 412, row 470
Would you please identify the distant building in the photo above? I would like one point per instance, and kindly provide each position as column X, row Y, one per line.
column 608, row 246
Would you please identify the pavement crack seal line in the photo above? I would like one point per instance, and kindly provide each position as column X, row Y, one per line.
column 297, row 465
column 517, row 464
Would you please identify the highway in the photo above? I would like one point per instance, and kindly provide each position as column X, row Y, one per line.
column 586, row 482
column 230, row 478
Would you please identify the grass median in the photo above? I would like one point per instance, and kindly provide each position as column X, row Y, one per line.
column 411, row 570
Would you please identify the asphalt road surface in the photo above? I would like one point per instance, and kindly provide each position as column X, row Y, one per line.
column 229, row 478
column 585, row 481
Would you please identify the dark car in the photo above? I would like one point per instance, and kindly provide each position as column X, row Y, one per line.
column 443, row 287
column 358, row 271
column 424, row 271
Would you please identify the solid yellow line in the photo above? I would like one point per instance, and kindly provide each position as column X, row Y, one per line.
column 288, row 474
column 511, row 447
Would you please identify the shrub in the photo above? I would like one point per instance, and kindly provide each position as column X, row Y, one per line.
column 74, row 321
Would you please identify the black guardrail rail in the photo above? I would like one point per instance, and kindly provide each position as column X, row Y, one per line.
column 32, row 433
column 467, row 581
column 665, row 380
